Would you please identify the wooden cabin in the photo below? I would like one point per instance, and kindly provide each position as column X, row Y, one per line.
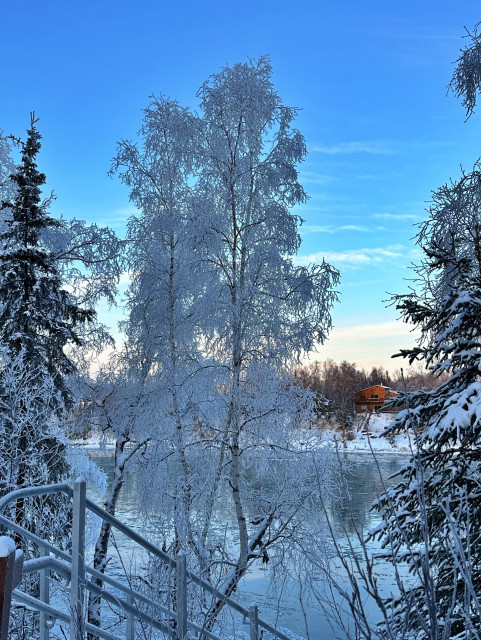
column 373, row 398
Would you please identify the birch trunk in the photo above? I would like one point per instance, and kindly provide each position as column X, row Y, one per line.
column 100, row 559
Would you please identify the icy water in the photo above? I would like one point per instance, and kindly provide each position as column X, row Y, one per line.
column 364, row 482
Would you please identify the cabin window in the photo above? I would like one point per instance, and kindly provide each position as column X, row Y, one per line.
column 374, row 396
column 363, row 397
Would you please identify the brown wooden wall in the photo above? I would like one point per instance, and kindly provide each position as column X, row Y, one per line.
column 373, row 398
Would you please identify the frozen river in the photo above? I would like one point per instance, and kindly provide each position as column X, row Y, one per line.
column 364, row 484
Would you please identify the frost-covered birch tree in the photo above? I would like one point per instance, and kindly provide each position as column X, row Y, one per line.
column 166, row 300
column 221, row 312
column 266, row 310
column 159, row 356
column 116, row 404
column 7, row 168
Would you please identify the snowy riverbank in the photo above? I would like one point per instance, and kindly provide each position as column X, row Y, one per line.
column 366, row 436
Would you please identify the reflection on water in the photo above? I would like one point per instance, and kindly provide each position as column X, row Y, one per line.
column 363, row 481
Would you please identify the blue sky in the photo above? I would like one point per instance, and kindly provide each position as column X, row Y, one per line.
column 370, row 78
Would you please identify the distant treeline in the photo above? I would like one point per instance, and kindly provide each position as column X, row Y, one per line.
column 335, row 385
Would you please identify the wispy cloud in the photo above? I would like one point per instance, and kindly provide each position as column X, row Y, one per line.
column 125, row 212
column 318, row 228
column 367, row 344
column 373, row 146
column 369, row 176
column 375, row 330
column 311, row 177
column 354, row 257
column 354, row 227
column 396, row 216
column 116, row 218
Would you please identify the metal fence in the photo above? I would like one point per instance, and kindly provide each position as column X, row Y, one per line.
column 73, row 567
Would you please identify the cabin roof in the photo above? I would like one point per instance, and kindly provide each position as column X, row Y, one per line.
column 375, row 385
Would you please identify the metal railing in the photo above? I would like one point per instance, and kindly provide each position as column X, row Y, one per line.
column 72, row 567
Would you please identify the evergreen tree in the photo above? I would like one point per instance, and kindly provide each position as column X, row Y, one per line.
column 37, row 317
column 38, row 321
column 432, row 517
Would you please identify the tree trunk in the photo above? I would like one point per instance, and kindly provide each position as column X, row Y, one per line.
column 101, row 546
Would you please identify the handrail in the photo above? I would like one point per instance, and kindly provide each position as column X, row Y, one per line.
column 38, row 605
column 51, row 563
column 48, row 562
column 133, row 535
column 151, row 548
column 148, row 546
column 59, row 487
column 34, row 538
column 45, row 562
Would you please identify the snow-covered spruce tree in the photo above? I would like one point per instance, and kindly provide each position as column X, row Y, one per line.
column 38, row 321
column 432, row 517
column 37, row 316
column 222, row 312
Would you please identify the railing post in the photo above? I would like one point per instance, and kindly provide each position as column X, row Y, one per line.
column 254, row 622
column 44, row 597
column 7, row 567
column 130, row 630
column 181, row 594
column 77, row 584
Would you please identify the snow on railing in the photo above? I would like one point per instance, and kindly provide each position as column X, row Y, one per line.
column 73, row 568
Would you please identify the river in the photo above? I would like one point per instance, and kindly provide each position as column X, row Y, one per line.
column 364, row 482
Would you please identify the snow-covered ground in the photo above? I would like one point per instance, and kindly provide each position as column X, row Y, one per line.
column 366, row 436
column 94, row 441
